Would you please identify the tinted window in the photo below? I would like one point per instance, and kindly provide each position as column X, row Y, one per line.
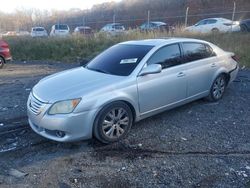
column 202, row 22
column 167, row 56
column 211, row 21
column 118, row 27
column 120, row 59
column 196, row 51
column 38, row 29
column 61, row 27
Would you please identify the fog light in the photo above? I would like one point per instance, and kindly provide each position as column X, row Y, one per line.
column 60, row 134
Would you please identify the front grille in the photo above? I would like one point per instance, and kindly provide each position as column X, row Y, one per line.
column 36, row 105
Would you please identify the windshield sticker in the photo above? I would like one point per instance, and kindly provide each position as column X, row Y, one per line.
column 128, row 61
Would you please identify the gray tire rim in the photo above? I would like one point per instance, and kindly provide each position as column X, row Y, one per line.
column 219, row 87
column 115, row 123
column 1, row 61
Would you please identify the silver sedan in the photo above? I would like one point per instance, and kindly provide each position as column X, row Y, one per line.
column 128, row 82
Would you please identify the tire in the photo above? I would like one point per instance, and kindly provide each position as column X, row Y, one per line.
column 215, row 30
column 113, row 122
column 218, row 88
column 2, row 61
column 243, row 28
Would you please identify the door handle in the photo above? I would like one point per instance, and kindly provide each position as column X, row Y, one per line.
column 213, row 65
column 180, row 74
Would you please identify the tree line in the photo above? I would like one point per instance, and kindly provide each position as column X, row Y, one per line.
column 131, row 13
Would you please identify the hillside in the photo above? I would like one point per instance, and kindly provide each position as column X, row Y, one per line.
column 129, row 12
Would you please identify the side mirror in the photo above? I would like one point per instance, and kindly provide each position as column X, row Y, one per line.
column 84, row 62
column 151, row 69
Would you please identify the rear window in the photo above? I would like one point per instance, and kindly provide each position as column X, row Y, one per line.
column 38, row 29
column 120, row 59
column 61, row 27
column 85, row 30
column 197, row 51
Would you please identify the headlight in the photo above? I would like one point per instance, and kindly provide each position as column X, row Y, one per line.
column 64, row 107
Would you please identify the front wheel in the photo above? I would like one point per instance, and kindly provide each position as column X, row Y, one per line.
column 215, row 30
column 113, row 122
column 1, row 62
column 218, row 88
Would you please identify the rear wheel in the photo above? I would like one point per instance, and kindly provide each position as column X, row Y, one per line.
column 215, row 30
column 113, row 122
column 243, row 28
column 218, row 88
column 1, row 62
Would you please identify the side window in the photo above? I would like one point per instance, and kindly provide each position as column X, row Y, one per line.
column 211, row 21
column 202, row 22
column 167, row 56
column 196, row 51
column 210, row 51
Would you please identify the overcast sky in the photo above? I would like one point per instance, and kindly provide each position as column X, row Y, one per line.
column 10, row 5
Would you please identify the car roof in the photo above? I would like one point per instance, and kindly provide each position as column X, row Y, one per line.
column 158, row 23
column 113, row 24
column 83, row 27
column 220, row 19
column 159, row 42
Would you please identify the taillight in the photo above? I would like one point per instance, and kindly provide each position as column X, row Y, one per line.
column 235, row 58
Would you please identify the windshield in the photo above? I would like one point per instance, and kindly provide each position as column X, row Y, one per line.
column 120, row 59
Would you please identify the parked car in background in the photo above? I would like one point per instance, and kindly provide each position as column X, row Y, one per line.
column 155, row 26
column 16, row 33
column 215, row 25
column 245, row 25
column 113, row 29
column 38, row 32
column 126, row 83
column 5, row 54
column 60, row 30
column 23, row 33
column 83, row 30
column 10, row 34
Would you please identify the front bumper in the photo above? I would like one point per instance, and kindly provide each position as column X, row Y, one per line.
column 63, row 128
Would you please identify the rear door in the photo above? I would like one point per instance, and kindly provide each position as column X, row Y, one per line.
column 210, row 24
column 201, row 64
column 157, row 91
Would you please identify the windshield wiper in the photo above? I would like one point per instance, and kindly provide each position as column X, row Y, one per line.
column 97, row 70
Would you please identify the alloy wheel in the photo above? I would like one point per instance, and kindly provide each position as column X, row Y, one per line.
column 1, row 62
column 115, row 123
column 219, row 87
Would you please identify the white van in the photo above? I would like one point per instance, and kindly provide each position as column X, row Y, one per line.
column 60, row 30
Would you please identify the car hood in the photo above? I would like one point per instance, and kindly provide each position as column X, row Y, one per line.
column 189, row 28
column 73, row 83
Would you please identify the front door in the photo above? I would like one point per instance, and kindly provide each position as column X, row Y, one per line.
column 168, row 87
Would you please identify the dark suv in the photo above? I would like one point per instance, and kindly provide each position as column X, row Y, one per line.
column 245, row 25
column 155, row 26
column 4, row 53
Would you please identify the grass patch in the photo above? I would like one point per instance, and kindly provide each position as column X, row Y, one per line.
column 73, row 48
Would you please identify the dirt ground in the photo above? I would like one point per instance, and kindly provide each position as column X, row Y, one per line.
column 200, row 144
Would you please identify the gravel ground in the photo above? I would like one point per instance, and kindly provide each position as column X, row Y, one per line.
column 200, row 144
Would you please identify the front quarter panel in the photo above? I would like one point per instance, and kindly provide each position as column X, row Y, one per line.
column 124, row 91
